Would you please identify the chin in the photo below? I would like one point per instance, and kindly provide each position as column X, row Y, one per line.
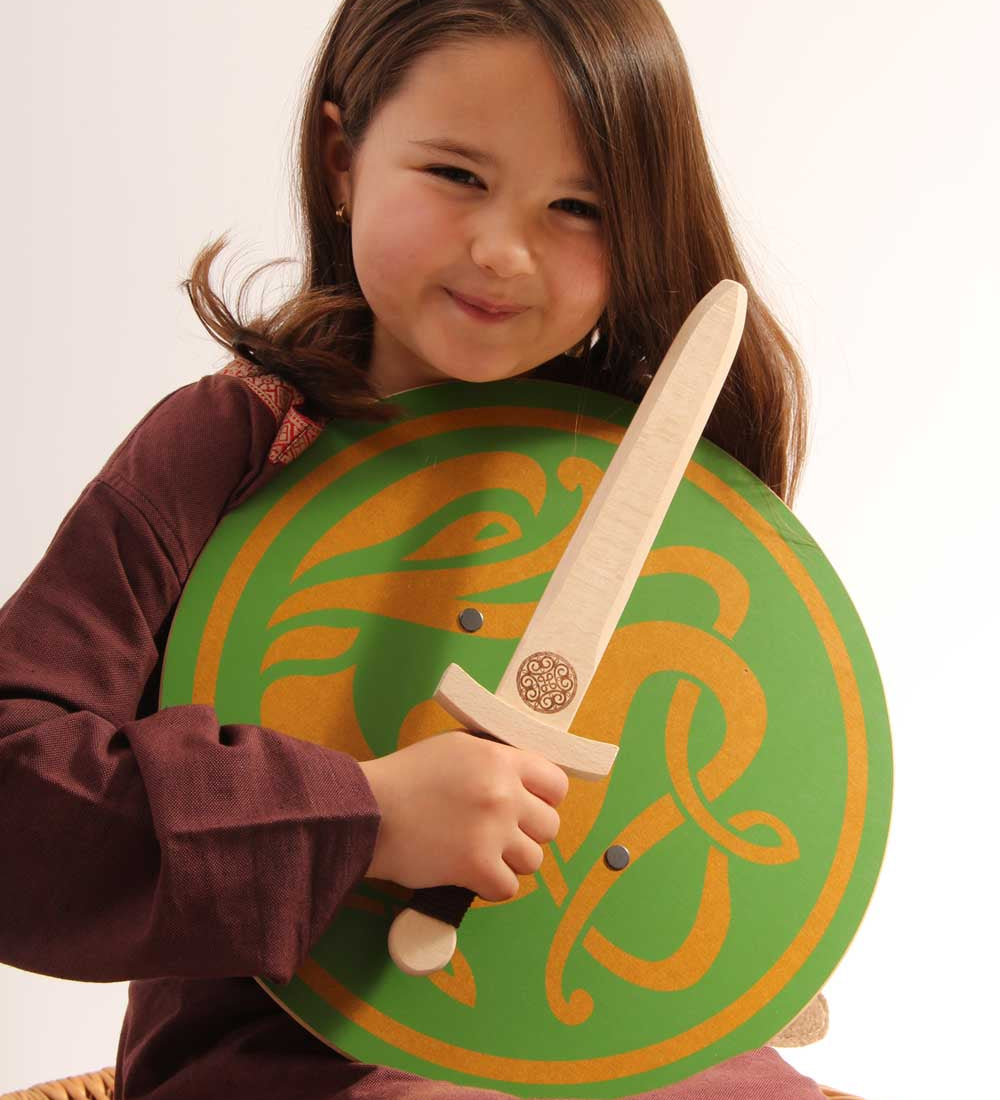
column 473, row 375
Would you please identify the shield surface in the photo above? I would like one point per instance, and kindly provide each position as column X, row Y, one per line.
column 696, row 899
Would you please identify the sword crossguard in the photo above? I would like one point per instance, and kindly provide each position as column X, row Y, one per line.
column 478, row 709
column 418, row 942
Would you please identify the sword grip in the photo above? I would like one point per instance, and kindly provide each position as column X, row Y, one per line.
column 423, row 937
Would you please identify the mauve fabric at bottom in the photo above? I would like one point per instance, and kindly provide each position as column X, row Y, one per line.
column 188, row 1040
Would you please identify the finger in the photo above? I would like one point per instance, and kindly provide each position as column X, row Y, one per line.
column 538, row 819
column 543, row 778
column 501, row 885
column 522, row 855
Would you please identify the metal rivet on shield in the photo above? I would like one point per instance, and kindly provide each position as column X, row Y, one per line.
column 471, row 619
column 617, row 857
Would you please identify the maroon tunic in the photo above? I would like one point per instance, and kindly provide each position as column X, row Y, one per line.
column 160, row 847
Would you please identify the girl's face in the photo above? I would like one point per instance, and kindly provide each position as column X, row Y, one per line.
column 427, row 223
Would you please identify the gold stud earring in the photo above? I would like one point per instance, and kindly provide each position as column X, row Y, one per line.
column 341, row 214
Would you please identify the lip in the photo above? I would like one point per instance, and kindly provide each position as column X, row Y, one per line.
column 503, row 309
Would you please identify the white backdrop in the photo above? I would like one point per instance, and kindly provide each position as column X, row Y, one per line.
column 857, row 146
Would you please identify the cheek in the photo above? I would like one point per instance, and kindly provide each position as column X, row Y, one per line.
column 396, row 249
column 585, row 283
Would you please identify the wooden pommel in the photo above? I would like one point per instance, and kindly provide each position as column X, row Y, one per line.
column 420, row 944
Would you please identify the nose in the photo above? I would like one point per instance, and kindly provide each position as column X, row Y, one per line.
column 500, row 243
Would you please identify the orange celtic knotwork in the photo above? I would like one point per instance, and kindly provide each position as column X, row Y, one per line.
column 636, row 652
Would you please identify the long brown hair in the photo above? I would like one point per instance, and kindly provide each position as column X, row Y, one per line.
column 627, row 84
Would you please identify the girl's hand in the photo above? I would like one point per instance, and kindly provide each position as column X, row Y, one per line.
column 458, row 810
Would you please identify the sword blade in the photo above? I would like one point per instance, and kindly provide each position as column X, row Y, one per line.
column 589, row 588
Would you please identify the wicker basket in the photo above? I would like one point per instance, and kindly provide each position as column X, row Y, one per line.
column 91, row 1086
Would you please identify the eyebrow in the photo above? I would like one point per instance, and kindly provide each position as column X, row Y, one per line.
column 448, row 145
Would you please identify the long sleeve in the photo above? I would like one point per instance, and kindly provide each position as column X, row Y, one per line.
column 136, row 843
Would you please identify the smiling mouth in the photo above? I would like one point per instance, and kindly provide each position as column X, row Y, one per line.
column 485, row 312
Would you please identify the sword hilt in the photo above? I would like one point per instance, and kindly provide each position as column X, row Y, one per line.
column 423, row 936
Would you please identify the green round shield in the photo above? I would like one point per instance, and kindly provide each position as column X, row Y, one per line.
column 697, row 898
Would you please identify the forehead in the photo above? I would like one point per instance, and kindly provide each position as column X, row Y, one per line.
column 497, row 95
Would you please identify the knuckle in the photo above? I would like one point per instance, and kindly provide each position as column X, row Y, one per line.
column 492, row 795
column 497, row 792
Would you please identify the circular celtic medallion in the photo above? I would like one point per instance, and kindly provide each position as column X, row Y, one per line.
column 546, row 682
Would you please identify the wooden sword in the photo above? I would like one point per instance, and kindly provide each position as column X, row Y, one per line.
column 547, row 678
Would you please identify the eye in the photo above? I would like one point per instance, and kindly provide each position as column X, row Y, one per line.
column 585, row 210
column 444, row 168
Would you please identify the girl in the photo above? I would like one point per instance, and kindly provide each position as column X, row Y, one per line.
column 459, row 158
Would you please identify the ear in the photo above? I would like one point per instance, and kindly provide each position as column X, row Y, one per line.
column 336, row 154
